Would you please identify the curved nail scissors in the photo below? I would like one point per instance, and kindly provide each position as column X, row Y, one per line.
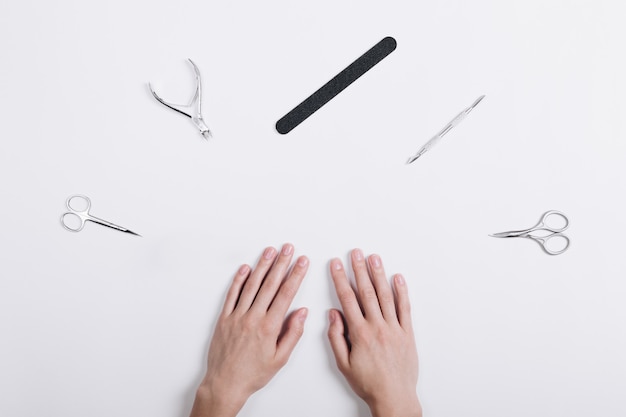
column 83, row 216
column 542, row 226
column 194, row 106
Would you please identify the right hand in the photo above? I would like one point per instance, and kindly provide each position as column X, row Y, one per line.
column 376, row 353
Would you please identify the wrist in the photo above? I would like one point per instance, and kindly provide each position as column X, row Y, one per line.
column 210, row 403
column 403, row 407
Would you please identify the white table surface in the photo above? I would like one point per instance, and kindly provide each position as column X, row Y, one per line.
column 101, row 323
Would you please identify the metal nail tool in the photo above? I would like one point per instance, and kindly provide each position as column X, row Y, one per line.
column 433, row 141
column 83, row 216
column 542, row 226
column 194, row 107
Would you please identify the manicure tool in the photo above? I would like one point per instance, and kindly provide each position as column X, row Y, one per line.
column 542, row 226
column 194, row 106
column 83, row 216
column 335, row 86
column 433, row 141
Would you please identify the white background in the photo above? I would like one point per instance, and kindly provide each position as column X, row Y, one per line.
column 100, row 323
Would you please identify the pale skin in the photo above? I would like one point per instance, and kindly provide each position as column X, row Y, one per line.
column 254, row 337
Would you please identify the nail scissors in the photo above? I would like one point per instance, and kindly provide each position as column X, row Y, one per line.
column 547, row 232
column 83, row 216
column 194, row 106
column 433, row 141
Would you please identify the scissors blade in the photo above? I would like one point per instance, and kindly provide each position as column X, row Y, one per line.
column 112, row 225
column 509, row 234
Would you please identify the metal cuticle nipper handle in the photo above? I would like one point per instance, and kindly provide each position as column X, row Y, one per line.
column 193, row 109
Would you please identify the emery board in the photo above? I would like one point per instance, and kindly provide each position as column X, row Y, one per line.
column 335, row 86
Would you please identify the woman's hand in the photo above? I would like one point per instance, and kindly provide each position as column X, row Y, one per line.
column 373, row 340
column 252, row 339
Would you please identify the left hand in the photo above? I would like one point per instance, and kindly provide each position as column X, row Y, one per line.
column 252, row 339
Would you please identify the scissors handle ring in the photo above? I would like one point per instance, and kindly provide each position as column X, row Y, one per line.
column 81, row 197
column 82, row 218
column 82, row 215
column 543, row 241
column 543, row 224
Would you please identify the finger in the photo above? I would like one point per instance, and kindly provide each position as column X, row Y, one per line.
column 273, row 279
column 288, row 290
column 346, row 295
column 403, row 306
column 367, row 292
column 251, row 287
column 289, row 339
column 235, row 289
column 383, row 289
column 337, row 338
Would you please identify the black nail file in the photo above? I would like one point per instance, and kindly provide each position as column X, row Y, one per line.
column 335, row 86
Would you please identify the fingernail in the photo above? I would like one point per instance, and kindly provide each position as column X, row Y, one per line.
column 269, row 253
column 302, row 315
column 375, row 261
column 303, row 261
column 358, row 254
column 243, row 270
column 399, row 279
column 331, row 316
column 337, row 265
column 287, row 249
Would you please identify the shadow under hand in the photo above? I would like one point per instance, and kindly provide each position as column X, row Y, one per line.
column 189, row 394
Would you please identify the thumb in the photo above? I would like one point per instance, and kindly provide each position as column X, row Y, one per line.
column 295, row 329
column 338, row 342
